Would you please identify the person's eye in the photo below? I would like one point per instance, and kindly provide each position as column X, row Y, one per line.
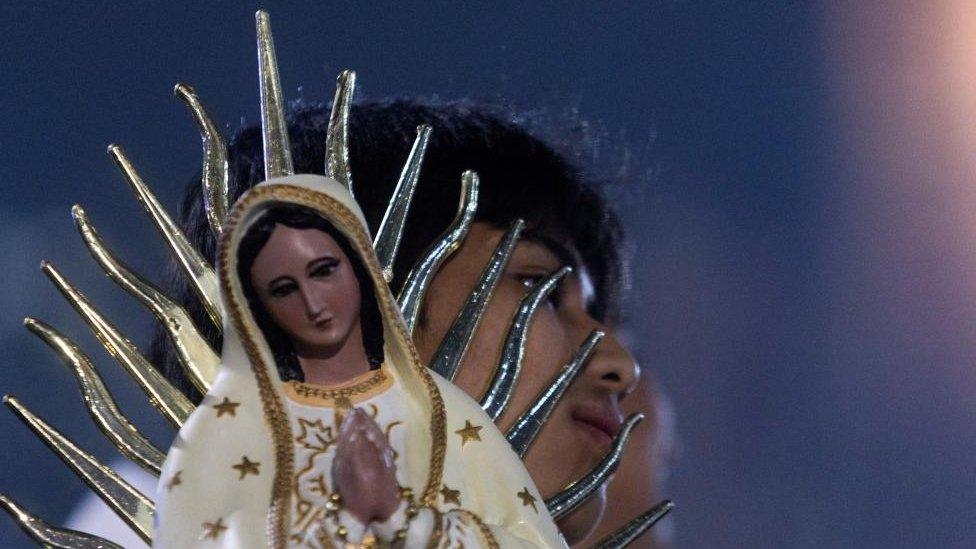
column 530, row 281
column 283, row 289
column 325, row 268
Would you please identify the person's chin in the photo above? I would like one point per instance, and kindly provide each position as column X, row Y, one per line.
column 579, row 524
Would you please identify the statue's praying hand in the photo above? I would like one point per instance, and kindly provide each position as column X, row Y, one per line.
column 363, row 471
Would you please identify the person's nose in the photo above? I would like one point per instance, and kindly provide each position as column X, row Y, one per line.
column 612, row 367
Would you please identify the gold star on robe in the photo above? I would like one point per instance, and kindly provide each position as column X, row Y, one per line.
column 247, row 467
column 451, row 496
column 527, row 498
column 227, row 407
column 212, row 530
column 174, row 480
column 469, row 433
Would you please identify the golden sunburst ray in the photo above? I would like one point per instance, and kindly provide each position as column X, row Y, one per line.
column 132, row 506
column 203, row 280
column 337, row 136
column 578, row 492
column 166, row 398
column 277, row 153
column 527, row 426
column 196, row 356
column 215, row 174
column 101, row 406
column 447, row 359
column 502, row 383
column 634, row 528
column 417, row 282
column 388, row 236
column 51, row 536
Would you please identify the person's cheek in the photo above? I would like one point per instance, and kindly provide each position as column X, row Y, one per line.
column 481, row 359
column 546, row 352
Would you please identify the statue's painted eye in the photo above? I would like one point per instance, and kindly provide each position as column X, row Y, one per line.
column 283, row 289
column 324, row 267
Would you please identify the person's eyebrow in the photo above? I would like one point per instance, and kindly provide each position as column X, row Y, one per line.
column 563, row 253
column 566, row 256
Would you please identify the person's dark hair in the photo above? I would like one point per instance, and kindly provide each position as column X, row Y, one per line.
column 254, row 240
column 521, row 177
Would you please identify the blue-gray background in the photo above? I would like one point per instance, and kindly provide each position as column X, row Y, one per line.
column 811, row 321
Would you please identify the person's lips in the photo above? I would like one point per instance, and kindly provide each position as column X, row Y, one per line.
column 600, row 422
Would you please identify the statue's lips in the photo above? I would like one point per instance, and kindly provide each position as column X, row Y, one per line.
column 323, row 323
column 598, row 421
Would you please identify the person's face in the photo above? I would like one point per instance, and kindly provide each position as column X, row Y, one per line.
column 581, row 428
column 309, row 288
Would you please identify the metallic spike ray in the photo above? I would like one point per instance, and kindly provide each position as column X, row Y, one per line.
column 578, row 492
column 216, row 173
column 388, row 236
column 50, row 536
column 174, row 406
column 127, row 502
column 337, row 136
column 455, row 344
column 277, row 152
column 412, row 294
column 202, row 277
column 102, row 407
column 506, row 374
column 193, row 351
column 635, row 528
column 523, row 433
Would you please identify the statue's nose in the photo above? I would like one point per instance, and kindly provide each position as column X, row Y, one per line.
column 315, row 299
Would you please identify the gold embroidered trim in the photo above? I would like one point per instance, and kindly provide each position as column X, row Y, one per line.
column 357, row 391
column 482, row 527
column 274, row 412
column 437, row 533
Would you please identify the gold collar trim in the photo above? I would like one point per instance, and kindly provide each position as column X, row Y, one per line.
column 354, row 391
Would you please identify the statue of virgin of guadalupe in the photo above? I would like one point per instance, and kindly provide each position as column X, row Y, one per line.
column 319, row 427
column 322, row 427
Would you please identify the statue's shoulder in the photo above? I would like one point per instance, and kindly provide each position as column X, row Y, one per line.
column 467, row 422
column 457, row 402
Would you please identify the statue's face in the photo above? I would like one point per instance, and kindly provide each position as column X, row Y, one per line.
column 309, row 288
column 581, row 428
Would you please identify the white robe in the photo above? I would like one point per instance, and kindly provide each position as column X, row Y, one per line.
column 234, row 476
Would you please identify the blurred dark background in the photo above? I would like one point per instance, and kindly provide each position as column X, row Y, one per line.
column 799, row 195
